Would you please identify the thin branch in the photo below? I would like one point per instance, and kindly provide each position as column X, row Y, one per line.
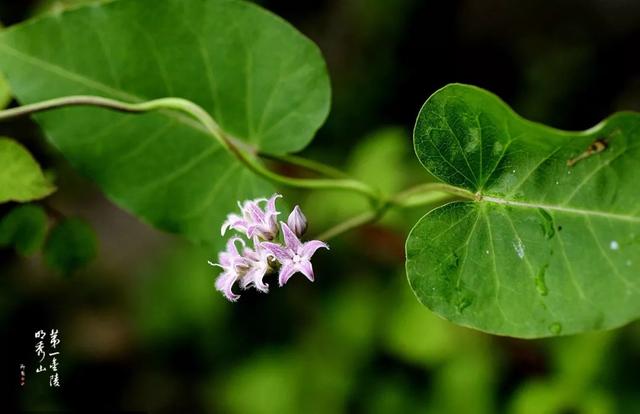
column 310, row 165
column 350, row 224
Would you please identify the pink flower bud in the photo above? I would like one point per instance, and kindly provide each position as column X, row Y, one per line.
column 297, row 221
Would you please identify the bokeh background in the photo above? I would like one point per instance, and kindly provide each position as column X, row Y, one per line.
column 143, row 329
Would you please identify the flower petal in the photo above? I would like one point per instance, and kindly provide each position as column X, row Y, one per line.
column 306, row 269
column 232, row 249
column 286, row 271
column 290, row 239
column 254, row 278
column 310, row 247
column 255, row 212
column 224, row 284
column 233, row 221
column 271, row 204
column 282, row 254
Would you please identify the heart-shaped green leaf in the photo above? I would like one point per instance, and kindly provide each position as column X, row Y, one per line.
column 551, row 243
column 262, row 81
column 21, row 178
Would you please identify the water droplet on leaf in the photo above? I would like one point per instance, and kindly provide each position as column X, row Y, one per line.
column 548, row 228
column 463, row 302
column 519, row 248
column 541, row 284
column 555, row 328
column 614, row 245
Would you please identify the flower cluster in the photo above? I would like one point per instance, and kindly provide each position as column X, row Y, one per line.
column 248, row 261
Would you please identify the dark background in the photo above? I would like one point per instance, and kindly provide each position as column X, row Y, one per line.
column 143, row 329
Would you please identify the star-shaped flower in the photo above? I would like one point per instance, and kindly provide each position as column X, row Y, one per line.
column 255, row 221
column 295, row 256
column 259, row 264
column 233, row 267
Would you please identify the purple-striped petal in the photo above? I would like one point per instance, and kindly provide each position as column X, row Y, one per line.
column 290, row 239
column 310, row 247
column 271, row 204
column 255, row 212
column 280, row 253
column 306, row 269
column 297, row 222
column 254, row 278
column 224, row 284
column 232, row 249
column 286, row 271
column 233, row 221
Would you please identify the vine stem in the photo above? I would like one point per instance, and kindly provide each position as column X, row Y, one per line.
column 429, row 193
column 423, row 194
column 178, row 104
column 350, row 224
column 308, row 164
column 202, row 116
column 420, row 195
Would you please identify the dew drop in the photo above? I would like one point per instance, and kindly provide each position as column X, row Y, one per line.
column 557, row 182
column 614, row 245
column 628, row 262
column 463, row 303
column 519, row 248
column 514, row 171
column 555, row 328
column 497, row 148
column 487, row 252
column 540, row 282
column 546, row 224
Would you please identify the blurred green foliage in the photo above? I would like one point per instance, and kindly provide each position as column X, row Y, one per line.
column 21, row 178
column 5, row 92
column 24, row 228
column 70, row 245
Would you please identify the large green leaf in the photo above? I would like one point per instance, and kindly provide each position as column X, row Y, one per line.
column 21, row 178
column 263, row 82
column 545, row 248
